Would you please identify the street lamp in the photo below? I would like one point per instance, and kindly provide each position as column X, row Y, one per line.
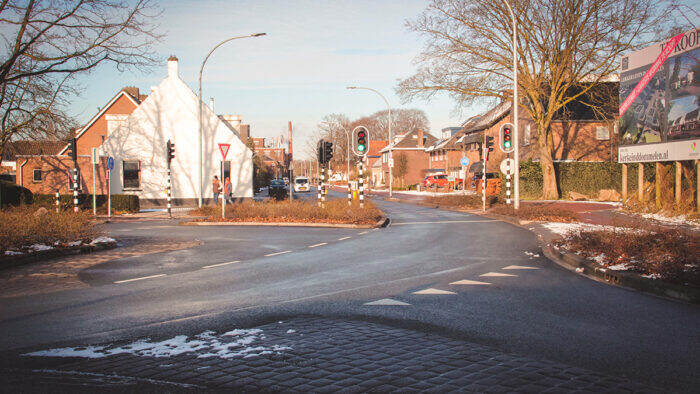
column 201, row 102
column 516, row 149
column 391, row 137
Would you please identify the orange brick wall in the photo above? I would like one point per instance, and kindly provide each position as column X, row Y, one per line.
column 92, row 138
column 417, row 163
column 56, row 174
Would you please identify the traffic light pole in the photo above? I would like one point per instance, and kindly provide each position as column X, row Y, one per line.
column 485, row 150
column 75, row 188
column 361, row 180
column 508, row 178
column 170, row 212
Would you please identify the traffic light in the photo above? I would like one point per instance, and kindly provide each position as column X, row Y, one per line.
column 489, row 146
column 319, row 151
column 170, row 151
column 73, row 149
column 506, row 138
column 362, row 141
column 327, row 151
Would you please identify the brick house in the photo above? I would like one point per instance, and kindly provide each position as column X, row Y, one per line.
column 373, row 162
column 413, row 145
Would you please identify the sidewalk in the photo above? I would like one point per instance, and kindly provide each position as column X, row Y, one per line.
column 306, row 355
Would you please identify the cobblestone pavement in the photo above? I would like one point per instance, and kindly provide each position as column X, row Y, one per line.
column 62, row 273
column 309, row 355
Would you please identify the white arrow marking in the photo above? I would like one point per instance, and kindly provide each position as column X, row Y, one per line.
column 519, row 267
column 469, row 282
column 496, row 274
column 387, row 301
column 430, row 290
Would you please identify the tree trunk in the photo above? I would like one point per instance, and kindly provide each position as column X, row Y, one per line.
column 549, row 177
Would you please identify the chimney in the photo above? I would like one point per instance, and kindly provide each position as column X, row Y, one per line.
column 245, row 132
column 132, row 91
column 420, row 138
column 211, row 103
column 172, row 66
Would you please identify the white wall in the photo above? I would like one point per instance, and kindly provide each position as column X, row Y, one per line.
column 170, row 112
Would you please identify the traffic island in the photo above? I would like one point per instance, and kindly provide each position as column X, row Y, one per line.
column 333, row 213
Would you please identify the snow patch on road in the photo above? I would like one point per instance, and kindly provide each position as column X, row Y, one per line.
column 235, row 343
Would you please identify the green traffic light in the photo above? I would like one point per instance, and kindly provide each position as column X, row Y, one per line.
column 361, row 148
column 506, row 144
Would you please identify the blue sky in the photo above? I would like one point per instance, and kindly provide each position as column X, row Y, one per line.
column 298, row 72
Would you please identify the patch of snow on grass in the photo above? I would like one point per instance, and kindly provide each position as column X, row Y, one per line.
column 652, row 276
column 600, row 259
column 619, row 267
column 235, row 343
column 567, row 228
column 40, row 247
column 12, row 253
column 675, row 220
column 102, row 240
column 75, row 243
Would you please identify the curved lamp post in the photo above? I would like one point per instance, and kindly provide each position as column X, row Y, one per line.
column 391, row 136
column 201, row 102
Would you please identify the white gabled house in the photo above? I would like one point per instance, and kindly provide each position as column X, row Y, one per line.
column 137, row 143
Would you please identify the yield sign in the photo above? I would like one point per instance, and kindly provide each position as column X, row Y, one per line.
column 224, row 150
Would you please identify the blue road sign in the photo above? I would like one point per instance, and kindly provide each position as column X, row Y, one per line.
column 110, row 164
column 464, row 161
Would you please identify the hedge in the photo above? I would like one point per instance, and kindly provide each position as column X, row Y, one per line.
column 120, row 202
column 13, row 194
column 587, row 178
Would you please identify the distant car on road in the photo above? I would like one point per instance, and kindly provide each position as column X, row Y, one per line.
column 441, row 180
column 301, row 184
column 277, row 189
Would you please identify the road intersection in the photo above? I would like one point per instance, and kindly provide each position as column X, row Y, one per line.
column 471, row 279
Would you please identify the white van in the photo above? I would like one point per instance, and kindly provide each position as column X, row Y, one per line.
column 301, row 184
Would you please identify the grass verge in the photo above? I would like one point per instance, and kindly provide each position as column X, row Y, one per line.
column 667, row 254
column 536, row 212
column 335, row 211
column 20, row 228
column 464, row 201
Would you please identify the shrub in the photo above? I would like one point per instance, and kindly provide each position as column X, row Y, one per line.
column 12, row 194
column 536, row 212
column 467, row 201
column 335, row 211
column 669, row 254
column 120, row 202
column 19, row 227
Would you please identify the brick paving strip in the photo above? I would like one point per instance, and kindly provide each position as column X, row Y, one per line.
column 62, row 273
column 313, row 354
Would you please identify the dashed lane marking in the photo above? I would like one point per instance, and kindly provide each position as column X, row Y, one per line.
column 275, row 254
column 364, row 232
column 519, row 267
column 221, row 264
column 495, row 274
column 431, row 290
column 141, row 278
column 469, row 282
column 387, row 301
column 317, row 245
column 344, row 238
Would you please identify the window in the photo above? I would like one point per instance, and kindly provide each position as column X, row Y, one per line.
column 602, row 133
column 36, row 177
column 131, row 174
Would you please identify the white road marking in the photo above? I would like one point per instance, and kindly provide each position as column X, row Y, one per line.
column 275, row 254
column 141, row 278
column 221, row 264
column 364, row 232
column 496, row 274
column 469, row 282
column 344, row 238
column 431, row 290
column 445, row 221
column 317, row 245
column 519, row 267
column 387, row 301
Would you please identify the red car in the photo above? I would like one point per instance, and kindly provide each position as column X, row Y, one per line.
column 441, row 181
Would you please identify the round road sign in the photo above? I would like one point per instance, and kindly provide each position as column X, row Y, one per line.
column 110, row 163
column 464, row 161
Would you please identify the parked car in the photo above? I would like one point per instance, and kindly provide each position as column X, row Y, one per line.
column 301, row 184
column 277, row 189
column 441, row 180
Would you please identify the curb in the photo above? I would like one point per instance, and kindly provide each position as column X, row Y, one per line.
column 383, row 222
column 631, row 280
column 13, row 261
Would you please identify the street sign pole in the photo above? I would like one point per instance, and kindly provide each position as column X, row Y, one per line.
column 110, row 167
column 94, row 182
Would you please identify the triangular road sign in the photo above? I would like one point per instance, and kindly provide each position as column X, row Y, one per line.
column 224, row 150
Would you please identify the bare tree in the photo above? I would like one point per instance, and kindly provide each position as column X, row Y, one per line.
column 565, row 49
column 48, row 43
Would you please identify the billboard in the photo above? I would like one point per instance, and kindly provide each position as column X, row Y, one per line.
column 660, row 96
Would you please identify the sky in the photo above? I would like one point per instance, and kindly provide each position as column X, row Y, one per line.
column 298, row 72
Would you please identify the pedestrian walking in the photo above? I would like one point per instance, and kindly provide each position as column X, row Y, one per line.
column 228, row 190
column 216, row 187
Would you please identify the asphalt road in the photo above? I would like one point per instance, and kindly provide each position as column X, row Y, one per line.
column 242, row 276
